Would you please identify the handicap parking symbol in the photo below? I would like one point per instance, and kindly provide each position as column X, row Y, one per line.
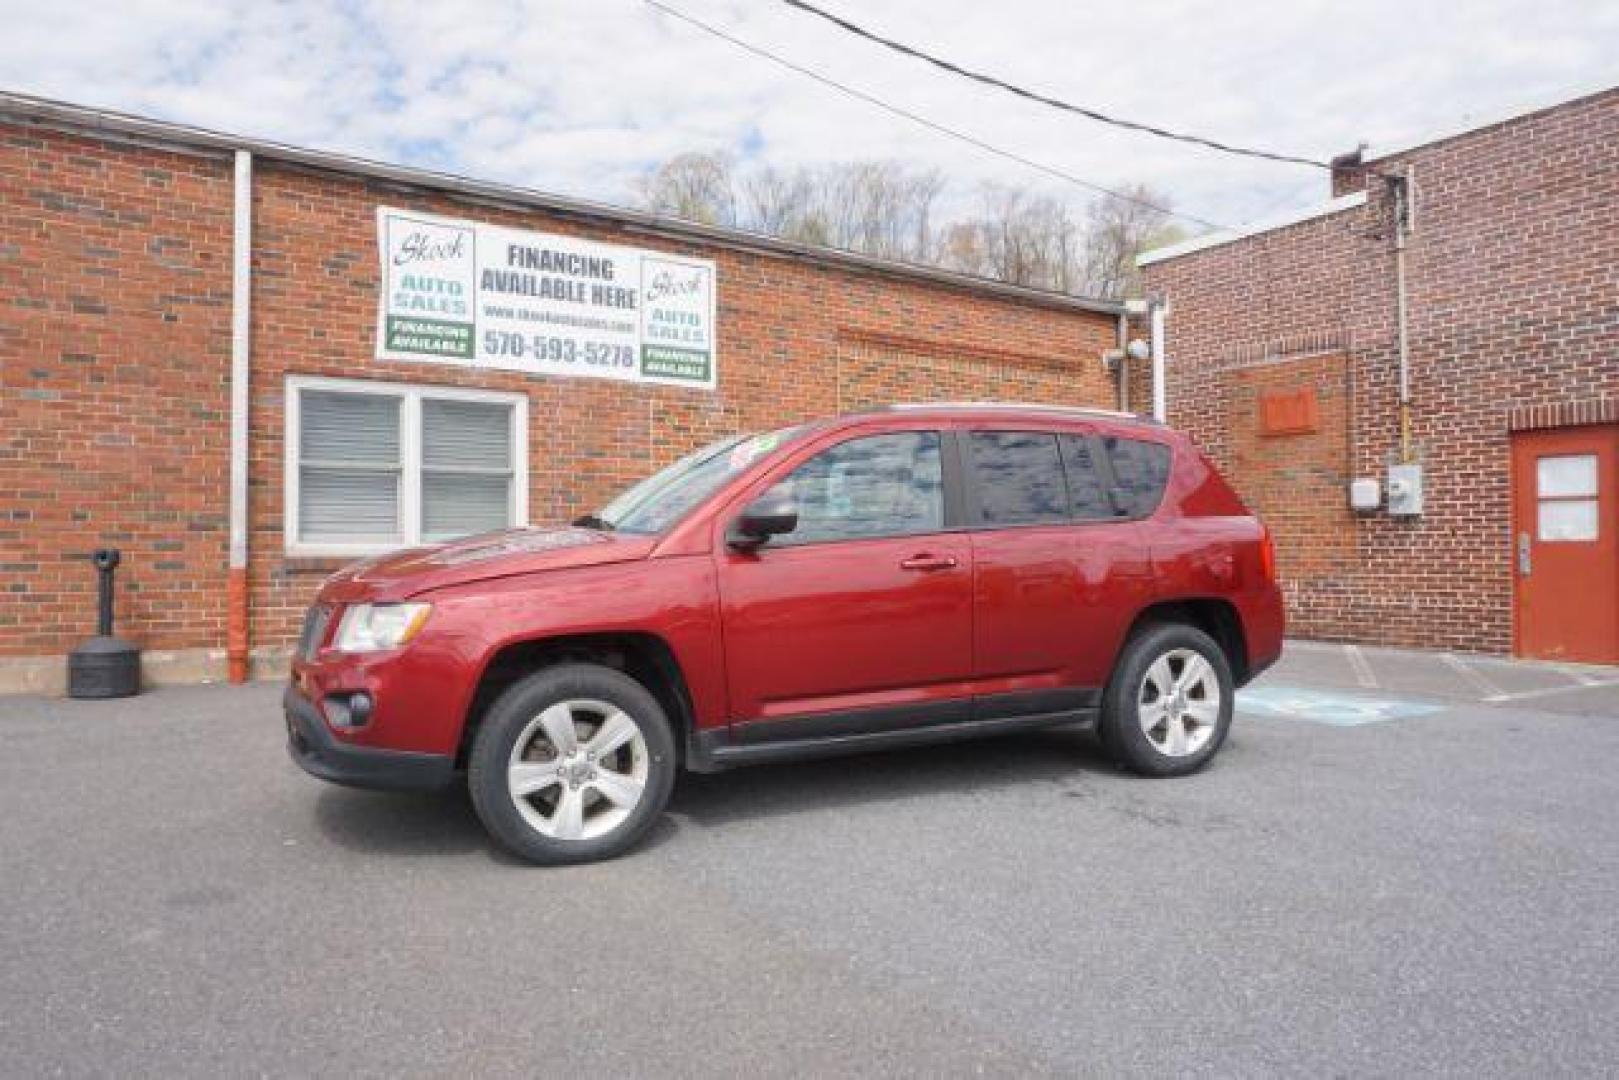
column 1328, row 707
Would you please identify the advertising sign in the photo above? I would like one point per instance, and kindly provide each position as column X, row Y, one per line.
column 462, row 292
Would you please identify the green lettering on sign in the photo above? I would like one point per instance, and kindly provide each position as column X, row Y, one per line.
column 667, row 363
column 429, row 337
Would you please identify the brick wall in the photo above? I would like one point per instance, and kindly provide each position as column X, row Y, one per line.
column 115, row 281
column 1514, row 305
column 114, row 411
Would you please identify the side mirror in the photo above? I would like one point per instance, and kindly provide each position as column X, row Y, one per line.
column 767, row 516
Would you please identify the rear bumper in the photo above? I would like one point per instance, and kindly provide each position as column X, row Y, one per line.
column 1259, row 667
column 1264, row 621
column 315, row 750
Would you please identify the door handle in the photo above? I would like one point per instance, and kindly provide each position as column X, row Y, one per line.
column 929, row 562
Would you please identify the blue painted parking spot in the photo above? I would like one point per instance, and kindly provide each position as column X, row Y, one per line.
column 1328, row 706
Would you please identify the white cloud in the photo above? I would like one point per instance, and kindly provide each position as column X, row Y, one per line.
column 579, row 97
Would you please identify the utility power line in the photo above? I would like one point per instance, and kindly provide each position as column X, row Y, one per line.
column 1044, row 99
column 916, row 118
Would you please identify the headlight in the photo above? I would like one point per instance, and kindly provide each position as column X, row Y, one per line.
column 370, row 627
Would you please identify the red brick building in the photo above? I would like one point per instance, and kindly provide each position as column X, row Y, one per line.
column 1283, row 359
column 133, row 338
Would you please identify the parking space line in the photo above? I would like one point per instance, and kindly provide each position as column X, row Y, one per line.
column 1545, row 691
column 1363, row 670
column 1477, row 678
column 1584, row 678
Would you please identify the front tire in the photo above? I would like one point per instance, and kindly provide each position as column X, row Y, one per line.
column 572, row 764
column 1168, row 706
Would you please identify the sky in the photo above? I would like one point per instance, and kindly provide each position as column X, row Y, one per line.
column 579, row 97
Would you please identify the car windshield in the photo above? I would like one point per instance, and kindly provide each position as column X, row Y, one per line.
column 663, row 498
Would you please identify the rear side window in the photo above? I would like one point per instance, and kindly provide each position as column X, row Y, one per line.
column 1017, row 478
column 1087, row 488
column 1140, row 473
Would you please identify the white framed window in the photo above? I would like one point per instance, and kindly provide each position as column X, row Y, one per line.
column 374, row 466
column 1567, row 497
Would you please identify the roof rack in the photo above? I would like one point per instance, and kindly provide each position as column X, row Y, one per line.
column 1016, row 406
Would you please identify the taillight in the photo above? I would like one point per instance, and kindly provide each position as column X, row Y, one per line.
column 1267, row 555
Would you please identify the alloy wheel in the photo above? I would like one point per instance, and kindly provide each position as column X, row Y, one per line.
column 578, row 769
column 1178, row 704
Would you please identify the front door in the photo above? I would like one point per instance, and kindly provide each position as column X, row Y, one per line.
column 1566, row 543
column 862, row 616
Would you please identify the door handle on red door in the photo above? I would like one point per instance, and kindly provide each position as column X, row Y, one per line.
column 928, row 562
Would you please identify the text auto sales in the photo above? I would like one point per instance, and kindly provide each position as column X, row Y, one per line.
column 557, row 278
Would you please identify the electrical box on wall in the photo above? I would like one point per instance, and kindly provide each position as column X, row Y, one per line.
column 1365, row 494
column 1405, row 490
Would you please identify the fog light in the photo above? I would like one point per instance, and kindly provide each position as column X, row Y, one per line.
column 348, row 710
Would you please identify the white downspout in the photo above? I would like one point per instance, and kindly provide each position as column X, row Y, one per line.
column 1160, row 308
column 1124, row 362
column 236, row 629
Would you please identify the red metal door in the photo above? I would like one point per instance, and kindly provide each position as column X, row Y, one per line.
column 1566, row 543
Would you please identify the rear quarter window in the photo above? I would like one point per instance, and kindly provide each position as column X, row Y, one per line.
column 1140, row 473
column 1087, row 487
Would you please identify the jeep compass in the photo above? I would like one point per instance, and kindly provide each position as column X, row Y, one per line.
column 881, row 580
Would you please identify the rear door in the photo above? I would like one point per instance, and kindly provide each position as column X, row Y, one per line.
column 860, row 619
column 1059, row 567
column 1024, row 571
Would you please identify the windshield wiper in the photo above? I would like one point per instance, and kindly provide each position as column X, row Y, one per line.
column 592, row 521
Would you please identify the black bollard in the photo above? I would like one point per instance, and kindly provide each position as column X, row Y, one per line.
column 105, row 666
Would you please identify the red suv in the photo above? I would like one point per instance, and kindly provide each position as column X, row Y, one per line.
column 896, row 577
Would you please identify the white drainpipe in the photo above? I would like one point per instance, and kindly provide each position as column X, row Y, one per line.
column 236, row 632
column 1124, row 362
column 1160, row 308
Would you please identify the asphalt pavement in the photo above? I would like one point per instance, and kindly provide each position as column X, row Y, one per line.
column 1427, row 882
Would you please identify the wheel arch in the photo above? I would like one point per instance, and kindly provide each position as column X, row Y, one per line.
column 1215, row 616
column 645, row 657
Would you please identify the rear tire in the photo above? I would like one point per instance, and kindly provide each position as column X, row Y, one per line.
column 1168, row 706
column 572, row 764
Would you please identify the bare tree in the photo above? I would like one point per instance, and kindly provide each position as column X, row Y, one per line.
column 887, row 208
column 1029, row 239
column 881, row 207
column 923, row 189
column 1117, row 230
column 961, row 247
column 694, row 186
column 776, row 202
column 877, row 207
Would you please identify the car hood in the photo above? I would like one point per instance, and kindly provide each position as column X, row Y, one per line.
column 402, row 574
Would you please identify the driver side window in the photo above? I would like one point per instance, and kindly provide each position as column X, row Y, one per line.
column 879, row 485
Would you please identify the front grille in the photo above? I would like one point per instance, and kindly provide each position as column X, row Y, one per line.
column 316, row 620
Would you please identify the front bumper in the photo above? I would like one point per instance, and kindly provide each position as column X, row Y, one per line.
column 319, row 754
